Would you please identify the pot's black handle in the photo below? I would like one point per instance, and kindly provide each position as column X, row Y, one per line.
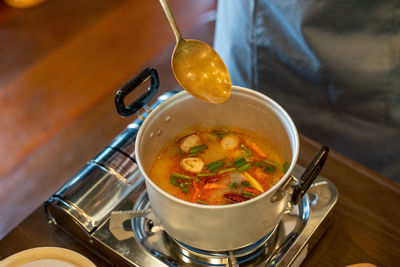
column 126, row 111
column 310, row 174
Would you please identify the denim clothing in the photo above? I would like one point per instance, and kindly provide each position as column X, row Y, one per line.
column 334, row 65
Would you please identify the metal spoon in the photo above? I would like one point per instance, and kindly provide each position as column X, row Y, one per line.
column 197, row 66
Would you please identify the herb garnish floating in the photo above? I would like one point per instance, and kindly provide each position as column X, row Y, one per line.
column 176, row 176
column 259, row 164
column 248, row 194
column 213, row 166
column 183, row 187
column 285, row 167
column 245, row 167
column 197, row 149
column 181, row 176
column 246, row 150
column 206, row 174
column 226, row 170
column 174, row 181
column 270, row 162
column 233, row 185
column 220, row 134
column 201, row 202
column 270, row 169
column 239, row 162
column 246, row 183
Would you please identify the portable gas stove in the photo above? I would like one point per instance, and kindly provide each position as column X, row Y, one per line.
column 88, row 207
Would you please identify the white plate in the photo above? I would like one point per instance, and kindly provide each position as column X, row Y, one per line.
column 47, row 257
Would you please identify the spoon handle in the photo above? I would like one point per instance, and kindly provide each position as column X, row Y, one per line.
column 171, row 20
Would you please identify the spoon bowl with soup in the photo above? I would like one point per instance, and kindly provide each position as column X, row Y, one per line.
column 197, row 67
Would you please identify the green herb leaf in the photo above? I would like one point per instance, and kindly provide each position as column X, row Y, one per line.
column 220, row 134
column 201, row 202
column 180, row 151
column 285, row 167
column 248, row 194
column 226, row 170
column 239, row 162
column 270, row 162
column 196, row 179
column 194, row 150
column 183, row 187
column 180, row 176
column 233, row 185
column 244, row 167
column 259, row 164
column 270, row 169
column 213, row 166
column 205, row 174
column 197, row 149
column 246, row 150
column 246, row 183
column 174, row 181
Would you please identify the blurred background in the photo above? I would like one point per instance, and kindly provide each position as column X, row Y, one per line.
column 61, row 63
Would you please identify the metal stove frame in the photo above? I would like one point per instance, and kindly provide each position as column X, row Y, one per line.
column 298, row 232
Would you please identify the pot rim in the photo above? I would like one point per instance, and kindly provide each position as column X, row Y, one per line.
column 277, row 109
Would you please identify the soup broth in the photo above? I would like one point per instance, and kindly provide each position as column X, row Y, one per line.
column 218, row 167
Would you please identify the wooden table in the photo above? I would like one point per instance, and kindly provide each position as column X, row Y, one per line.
column 61, row 63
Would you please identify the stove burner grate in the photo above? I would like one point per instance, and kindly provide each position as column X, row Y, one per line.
column 148, row 228
column 240, row 256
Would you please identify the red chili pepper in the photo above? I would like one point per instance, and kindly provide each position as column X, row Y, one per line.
column 196, row 192
column 205, row 194
column 214, row 186
column 235, row 198
column 212, row 179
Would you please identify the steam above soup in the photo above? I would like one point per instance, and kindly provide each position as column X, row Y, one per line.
column 218, row 167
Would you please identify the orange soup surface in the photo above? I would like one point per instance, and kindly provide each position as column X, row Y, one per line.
column 218, row 167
